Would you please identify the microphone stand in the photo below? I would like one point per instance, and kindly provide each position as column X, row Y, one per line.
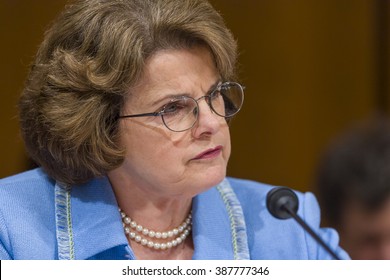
column 309, row 230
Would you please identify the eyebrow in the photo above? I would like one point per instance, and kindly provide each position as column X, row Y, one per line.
column 171, row 96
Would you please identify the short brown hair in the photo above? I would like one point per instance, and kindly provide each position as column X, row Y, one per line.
column 90, row 56
column 355, row 168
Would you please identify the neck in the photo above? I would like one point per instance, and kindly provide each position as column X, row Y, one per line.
column 152, row 210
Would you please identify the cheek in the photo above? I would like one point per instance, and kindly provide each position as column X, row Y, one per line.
column 135, row 143
column 149, row 144
column 226, row 137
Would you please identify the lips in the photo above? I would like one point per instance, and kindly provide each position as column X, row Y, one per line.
column 209, row 154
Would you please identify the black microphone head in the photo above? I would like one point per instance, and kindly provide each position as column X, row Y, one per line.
column 279, row 199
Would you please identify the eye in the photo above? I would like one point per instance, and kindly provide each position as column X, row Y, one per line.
column 174, row 107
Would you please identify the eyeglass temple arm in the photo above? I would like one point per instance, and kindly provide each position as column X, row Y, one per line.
column 141, row 115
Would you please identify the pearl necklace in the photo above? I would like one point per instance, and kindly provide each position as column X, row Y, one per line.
column 139, row 233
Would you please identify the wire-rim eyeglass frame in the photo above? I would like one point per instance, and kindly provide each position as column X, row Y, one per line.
column 231, row 106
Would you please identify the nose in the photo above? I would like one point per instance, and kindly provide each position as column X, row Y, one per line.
column 208, row 122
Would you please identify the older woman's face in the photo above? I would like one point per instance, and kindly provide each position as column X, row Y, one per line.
column 174, row 163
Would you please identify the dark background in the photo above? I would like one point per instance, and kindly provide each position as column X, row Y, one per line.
column 311, row 68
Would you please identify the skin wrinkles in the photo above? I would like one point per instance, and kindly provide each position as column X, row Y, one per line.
column 158, row 179
column 163, row 100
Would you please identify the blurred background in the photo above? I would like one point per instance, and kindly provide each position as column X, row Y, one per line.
column 312, row 68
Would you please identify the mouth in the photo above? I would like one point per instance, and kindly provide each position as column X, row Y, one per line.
column 210, row 153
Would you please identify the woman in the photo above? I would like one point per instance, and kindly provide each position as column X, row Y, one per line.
column 126, row 110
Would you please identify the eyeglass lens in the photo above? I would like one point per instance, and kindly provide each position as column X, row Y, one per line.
column 182, row 113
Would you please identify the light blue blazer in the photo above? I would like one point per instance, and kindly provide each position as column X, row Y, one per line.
column 42, row 219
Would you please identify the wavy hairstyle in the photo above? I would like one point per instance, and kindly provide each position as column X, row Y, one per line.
column 89, row 58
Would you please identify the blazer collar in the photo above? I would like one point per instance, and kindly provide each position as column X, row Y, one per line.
column 88, row 223
column 88, row 220
column 219, row 230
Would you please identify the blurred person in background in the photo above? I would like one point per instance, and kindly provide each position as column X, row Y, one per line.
column 353, row 184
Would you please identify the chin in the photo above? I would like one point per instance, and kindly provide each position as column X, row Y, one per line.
column 212, row 177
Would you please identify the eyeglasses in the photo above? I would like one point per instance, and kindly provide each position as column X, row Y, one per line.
column 181, row 113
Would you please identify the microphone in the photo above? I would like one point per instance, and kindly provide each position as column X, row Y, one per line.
column 283, row 203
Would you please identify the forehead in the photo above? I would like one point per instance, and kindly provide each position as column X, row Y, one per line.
column 174, row 72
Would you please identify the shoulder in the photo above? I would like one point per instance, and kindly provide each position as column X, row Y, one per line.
column 26, row 187
column 26, row 202
column 252, row 193
column 271, row 238
column 26, row 177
